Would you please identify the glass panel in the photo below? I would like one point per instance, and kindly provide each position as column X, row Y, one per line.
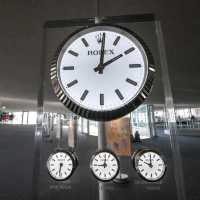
column 154, row 122
column 25, row 118
column 32, row 117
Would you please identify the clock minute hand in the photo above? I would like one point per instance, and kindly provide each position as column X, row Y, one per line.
column 102, row 49
column 107, row 63
column 102, row 54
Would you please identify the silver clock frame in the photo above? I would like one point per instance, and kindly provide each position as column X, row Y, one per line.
column 138, row 153
column 105, row 151
column 106, row 115
column 74, row 161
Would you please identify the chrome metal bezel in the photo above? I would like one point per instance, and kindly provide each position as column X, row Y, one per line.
column 107, row 115
column 104, row 151
column 74, row 162
column 136, row 157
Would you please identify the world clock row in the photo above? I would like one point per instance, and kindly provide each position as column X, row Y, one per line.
column 105, row 166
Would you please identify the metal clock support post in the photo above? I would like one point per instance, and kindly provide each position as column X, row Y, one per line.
column 102, row 145
column 101, row 125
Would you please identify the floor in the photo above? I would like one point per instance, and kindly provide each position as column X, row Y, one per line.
column 16, row 167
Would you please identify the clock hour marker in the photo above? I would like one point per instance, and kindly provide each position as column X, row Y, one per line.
column 68, row 68
column 119, row 94
column 85, row 42
column 134, row 65
column 129, row 50
column 72, row 83
column 73, row 53
column 116, row 40
column 101, row 99
column 131, row 81
column 85, row 93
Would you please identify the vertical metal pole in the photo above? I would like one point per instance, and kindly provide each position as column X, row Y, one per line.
column 59, row 131
column 39, row 128
column 88, row 127
column 150, row 114
column 82, row 125
column 101, row 145
column 169, row 104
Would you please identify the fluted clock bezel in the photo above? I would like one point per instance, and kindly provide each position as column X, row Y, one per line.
column 107, row 114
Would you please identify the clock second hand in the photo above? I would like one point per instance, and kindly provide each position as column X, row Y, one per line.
column 100, row 68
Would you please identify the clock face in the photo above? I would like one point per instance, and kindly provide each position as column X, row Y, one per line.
column 61, row 165
column 104, row 166
column 101, row 70
column 150, row 165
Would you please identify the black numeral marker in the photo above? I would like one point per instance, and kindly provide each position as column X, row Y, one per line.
column 119, row 94
column 116, row 40
column 131, row 81
column 85, row 93
column 85, row 42
column 129, row 50
column 68, row 68
column 101, row 99
column 72, row 83
column 73, row 53
column 134, row 65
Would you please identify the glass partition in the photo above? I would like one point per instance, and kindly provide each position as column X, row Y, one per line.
column 154, row 121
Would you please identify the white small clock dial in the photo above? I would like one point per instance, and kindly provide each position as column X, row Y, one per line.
column 61, row 165
column 104, row 165
column 150, row 165
column 100, row 70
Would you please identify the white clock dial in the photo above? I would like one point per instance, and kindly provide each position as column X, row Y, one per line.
column 60, row 165
column 150, row 165
column 102, row 69
column 104, row 166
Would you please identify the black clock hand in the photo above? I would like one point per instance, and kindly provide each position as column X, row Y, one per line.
column 102, row 49
column 150, row 160
column 147, row 163
column 102, row 54
column 100, row 165
column 105, row 164
column 107, row 63
column 60, row 168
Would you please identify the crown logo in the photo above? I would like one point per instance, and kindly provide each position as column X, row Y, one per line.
column 99, row 37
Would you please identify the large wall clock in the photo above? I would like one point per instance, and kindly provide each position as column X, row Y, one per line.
column 102, row 72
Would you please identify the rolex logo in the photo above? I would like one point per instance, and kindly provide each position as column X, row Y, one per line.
column 99, row 37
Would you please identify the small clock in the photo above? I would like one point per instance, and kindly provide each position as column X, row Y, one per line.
column 102, row 72
column 149, row 164
column 104, row 165
column 61, row 165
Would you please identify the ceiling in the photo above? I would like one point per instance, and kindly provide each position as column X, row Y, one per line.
column 21, row 41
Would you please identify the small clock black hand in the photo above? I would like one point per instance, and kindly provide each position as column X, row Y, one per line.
column 147, row 163
column 107, row 63
column 150, row 160
column 100, row 165
column 105, row 164
column 60, row 168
